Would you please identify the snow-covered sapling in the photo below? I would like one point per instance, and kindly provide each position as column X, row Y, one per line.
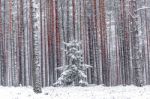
column 74, row 72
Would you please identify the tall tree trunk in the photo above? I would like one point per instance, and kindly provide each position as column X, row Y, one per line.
column 103, row 37
column 36, row 46
column 136, row 50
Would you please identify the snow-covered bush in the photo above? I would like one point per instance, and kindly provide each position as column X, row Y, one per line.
column 74, row 72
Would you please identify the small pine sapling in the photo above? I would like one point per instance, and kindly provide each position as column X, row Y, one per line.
column 74, row 72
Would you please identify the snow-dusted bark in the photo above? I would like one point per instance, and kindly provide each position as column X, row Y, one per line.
column 136, row 49
column 1, row 46
column 15, row 66
column 36, row 46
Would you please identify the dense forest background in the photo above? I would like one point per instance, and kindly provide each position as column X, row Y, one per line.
column 115, row 38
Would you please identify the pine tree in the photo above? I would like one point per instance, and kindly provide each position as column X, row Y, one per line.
column 136, row 49
column 74, row 72
column 36, row 48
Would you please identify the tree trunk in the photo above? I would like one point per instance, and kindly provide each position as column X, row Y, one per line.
column 36, row 46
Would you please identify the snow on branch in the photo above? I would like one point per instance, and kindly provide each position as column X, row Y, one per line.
column 143, row 8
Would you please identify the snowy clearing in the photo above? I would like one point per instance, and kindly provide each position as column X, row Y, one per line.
column 92, row 92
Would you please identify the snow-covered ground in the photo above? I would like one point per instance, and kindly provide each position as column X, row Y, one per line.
column 92, row 92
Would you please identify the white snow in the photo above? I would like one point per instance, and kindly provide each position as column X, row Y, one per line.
column 92, row 92
column 143, row 8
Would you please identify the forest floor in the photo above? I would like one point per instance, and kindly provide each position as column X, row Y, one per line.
column 91, row 92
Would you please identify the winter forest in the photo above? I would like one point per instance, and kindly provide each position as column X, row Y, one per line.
column 74, row 42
